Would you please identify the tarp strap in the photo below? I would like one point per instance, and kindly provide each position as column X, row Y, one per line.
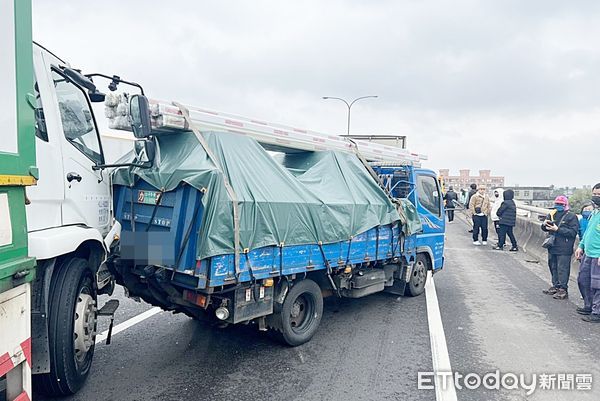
column 254, row 290
column 156, row 205
column 377, row 243
column 370, row 170
column 232, row 195
column 349, row 247
column 329, row 270
column 132, row 221
column 186, row 238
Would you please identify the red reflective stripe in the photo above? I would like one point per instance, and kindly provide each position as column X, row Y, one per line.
column 279, row 132
column 6, row 364
column 26, row 345
column 22, row 397
column 236, row 123
column 300, row 130
column 319, row 140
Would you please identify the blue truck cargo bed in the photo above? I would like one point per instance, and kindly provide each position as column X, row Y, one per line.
column 165, row 234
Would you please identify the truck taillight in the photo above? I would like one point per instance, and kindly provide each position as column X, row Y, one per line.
column 195, row 298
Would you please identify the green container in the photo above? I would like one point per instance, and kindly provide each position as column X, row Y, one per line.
column 17, row 147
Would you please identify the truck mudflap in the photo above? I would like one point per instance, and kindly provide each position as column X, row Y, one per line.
column 15, row 344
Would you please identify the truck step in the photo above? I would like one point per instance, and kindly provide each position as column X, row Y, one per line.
column 109, row 308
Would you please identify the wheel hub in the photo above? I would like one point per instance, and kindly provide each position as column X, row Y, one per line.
column 419, row 273
column 85, row 325
column 297, row 313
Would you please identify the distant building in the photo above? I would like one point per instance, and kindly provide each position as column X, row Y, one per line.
column 464, row 179
column 535, row 196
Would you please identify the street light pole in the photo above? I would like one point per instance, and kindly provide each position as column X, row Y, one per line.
column 349, row 105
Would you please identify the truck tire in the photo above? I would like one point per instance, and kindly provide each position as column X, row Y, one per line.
column 298, row 319
column 71, row 328
column 418, row 277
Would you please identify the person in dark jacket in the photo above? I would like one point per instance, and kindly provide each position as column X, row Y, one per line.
column 450, row 198
column 564, row 226
column 507, row 212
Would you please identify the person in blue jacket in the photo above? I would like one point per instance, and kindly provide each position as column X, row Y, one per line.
column 584, row 218
column 588, row 252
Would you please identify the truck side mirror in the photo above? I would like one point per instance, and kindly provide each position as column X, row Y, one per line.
column 139, row 112
column 84, row 82
column 145, row 151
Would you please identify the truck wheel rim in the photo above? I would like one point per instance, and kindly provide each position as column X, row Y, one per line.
column 419, row 274
column 301, row 313
column 84, row 332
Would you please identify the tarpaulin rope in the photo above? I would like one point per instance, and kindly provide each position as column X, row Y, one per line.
column 370, row 169
column 232, row 195
column 403, row 218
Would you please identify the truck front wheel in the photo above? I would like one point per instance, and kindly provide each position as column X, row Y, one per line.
column 418, row 276
column 71, row 328
column 298, row 318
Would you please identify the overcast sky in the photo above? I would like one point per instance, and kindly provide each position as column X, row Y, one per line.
column 512, row 85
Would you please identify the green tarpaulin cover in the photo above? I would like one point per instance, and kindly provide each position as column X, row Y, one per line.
column 301, row 198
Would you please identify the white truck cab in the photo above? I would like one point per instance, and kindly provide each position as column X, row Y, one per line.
column 70, row 226
column 71, row 145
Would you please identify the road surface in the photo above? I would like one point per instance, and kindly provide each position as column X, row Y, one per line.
column 494, row 316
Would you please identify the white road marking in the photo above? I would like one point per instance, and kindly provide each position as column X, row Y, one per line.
column 444, row 385
column 128, row 323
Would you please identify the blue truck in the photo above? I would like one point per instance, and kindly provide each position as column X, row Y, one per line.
column 219, row 228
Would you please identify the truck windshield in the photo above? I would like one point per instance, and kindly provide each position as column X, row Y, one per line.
column 77, row 119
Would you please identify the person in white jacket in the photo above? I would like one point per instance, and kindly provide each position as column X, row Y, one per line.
column 498, row 199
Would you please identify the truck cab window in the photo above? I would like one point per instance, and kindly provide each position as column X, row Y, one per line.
column 40, row 122
column 428, row 193
column 77, row 119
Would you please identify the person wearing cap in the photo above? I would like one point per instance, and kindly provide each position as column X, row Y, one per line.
column 588, row 252
column 564, row 226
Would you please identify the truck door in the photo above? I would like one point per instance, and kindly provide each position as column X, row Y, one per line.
column 87, row 191
column 431, row 211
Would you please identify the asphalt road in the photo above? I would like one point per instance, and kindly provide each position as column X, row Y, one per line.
column 494, row 317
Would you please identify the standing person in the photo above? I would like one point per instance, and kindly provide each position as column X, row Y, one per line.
column 450, row 198
column 589, row 272
column 564, row 226
column 472, row 192
column 498, row 199
column 584, row 218
column 480, row 208
column 507, row 219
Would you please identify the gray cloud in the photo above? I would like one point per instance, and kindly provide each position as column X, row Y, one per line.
column 474, row 84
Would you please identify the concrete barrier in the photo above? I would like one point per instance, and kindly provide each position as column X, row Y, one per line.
column 530, row 234
column 530, row 237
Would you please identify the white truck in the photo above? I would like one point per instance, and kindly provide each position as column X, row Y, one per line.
column 70, row 227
